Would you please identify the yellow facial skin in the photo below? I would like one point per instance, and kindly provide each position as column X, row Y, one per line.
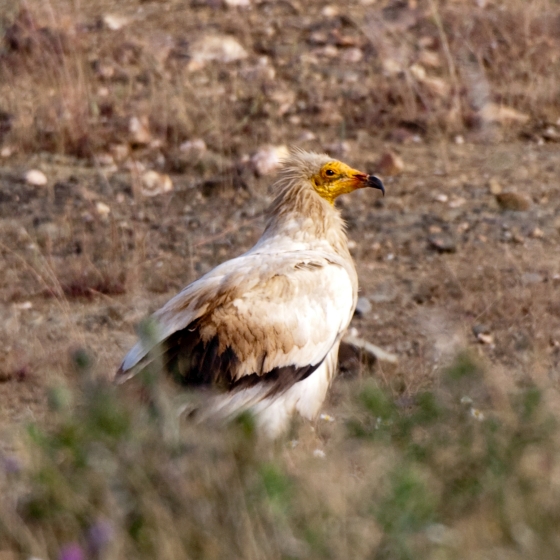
column 336, row 178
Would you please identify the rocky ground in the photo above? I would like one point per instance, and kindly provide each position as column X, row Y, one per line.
column 444, row 263
column 139, row 146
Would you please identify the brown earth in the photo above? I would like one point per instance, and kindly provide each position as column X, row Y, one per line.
column 444, row 261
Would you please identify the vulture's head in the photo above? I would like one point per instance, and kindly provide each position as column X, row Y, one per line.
column 329, row 177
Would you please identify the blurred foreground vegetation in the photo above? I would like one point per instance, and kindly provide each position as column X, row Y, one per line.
column 460, row 472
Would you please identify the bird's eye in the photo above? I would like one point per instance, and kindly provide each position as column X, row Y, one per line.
column 329, row 173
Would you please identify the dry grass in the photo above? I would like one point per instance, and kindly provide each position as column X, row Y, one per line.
column 412, row 467
column 71, row 85
column 441, row 477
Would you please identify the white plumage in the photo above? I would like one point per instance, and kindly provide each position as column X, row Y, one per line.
column 264, row 328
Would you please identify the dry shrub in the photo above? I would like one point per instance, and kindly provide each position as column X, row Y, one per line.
column 72, row 85
column 115, row 478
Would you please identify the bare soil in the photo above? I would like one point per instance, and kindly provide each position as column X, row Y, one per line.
column 444, row 266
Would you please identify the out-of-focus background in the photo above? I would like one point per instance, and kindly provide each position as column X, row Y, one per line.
column 138, row 144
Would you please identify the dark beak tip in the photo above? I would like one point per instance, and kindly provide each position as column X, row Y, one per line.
column 375, row 183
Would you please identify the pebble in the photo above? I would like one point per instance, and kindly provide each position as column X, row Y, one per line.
column 431, row 59
column 139, row 130
column 513, row 201
column 457, row 202
column 102, row 209
column 390, row 164
column 363, row 307
column 352, row 55
column 537, row 233
column 268, row 159
column 154, row 183
column 119, row 151
column 480, row 328
column 551, row 134
column 384, row 293
column 36, row 178
column 105, row 160
column 485, row 338
column 492, row 112
column 221, row 48
column 442, row 242
column 531, row 278
column 494, row 186
column 114, row 22
column 194, row 148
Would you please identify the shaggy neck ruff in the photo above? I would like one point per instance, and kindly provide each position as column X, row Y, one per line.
column 302, row 214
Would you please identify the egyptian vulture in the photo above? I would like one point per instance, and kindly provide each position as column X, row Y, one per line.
column 263, row 329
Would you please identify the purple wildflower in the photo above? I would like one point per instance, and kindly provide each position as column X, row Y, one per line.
column 11, row 464
column 71, row 551
column 99, row 535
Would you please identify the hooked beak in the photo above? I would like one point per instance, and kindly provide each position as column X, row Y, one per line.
column 375, row 183
column 361, row 180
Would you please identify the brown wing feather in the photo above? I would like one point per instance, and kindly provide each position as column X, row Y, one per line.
column 194, row 362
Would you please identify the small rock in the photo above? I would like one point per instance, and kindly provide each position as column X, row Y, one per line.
column 370, row 349
column 418, row 71
column 36, row 178
column 551, row 134
column 457, row 202
column 436, row 86
column 494, row 186
column 114, row 22
column 485, row 338
column 319, row 453
column 119, row 151
column 459, row 139
column 221, row 48
column 531, row 278
column 363, row 307
column 307, row 136
column 268, row 159
column 442, row 242
column 154, row 183
column 193, row 148
column 537, row 233
column 105, row 160
column 102, row 209
column 390, row 164
column 330, row 11
column 237, row 3
column 352, row 55
column 430, row 59
column 6, row 151
column 384, row 293
column 513, row 201
column 480, row 328
column 139, row 130
column 492, row 112
column 391, row 66
column 338, row 148
column 49, row 232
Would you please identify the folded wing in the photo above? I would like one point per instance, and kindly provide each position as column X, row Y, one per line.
column 258, row 318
